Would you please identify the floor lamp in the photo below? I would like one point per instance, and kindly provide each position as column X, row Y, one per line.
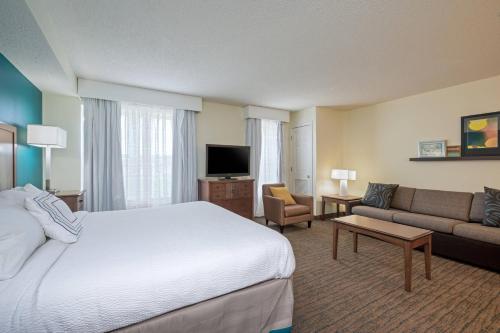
column 47, row 137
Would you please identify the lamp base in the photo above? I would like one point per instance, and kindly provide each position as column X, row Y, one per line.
column 343, row 191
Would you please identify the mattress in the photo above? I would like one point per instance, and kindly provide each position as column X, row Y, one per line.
column 129, row 266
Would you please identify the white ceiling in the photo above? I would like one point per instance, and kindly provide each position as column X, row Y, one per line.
column 283, row 54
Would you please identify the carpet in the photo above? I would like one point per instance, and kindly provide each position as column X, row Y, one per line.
column 364, row 291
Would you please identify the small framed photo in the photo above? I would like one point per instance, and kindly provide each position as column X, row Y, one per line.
column 434, row 148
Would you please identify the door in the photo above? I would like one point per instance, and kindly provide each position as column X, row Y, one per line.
column 302, row 169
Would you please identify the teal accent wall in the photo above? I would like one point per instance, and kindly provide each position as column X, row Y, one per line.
column 21, row 104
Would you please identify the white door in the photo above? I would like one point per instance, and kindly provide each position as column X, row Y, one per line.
column 302, row 169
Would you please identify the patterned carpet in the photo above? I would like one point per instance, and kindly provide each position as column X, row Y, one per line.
column 364, row 292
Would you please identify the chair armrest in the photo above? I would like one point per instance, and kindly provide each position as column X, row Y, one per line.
column 274, row 208
column 305, row 200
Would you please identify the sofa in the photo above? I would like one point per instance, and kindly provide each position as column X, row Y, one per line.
column 455, row 218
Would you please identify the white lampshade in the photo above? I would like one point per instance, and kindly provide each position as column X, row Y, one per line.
column 343, row 174
column 46, row 136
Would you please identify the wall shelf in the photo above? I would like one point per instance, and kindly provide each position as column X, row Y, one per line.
column 455, row 158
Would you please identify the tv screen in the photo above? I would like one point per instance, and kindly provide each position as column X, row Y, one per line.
column 227, row 161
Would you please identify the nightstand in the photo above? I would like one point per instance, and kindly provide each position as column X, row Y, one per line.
column 345, row 200
column 74, row 199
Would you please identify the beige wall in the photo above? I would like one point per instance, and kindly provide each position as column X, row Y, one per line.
column 65, row 112
column 218, row 124
column 379, row 139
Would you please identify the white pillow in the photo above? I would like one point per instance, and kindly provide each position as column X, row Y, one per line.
column 20, row 236
column 15, row 196
column 32, row 189
column 57, row 220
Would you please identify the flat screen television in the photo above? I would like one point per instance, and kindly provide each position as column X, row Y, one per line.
column 228, row 161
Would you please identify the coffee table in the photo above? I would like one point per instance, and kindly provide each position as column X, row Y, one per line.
column 401, row 235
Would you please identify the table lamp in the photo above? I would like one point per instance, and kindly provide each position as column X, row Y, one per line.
column 343, row 175
column 47, row 137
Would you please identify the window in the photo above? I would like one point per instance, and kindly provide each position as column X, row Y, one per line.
column 270, row 164
column 146, row 154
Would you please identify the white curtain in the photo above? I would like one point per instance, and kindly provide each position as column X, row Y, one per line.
column 103, row 181
column 184, row 170
column 270, row 158
column 147, row 154
column 254, row 139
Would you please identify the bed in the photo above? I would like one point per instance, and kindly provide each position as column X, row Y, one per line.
column 192, row 267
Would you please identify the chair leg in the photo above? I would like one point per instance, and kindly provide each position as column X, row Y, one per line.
column 267, row 222
column 282, row 227
column 309, row 224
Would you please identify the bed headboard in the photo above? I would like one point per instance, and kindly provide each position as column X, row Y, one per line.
column 8, row 143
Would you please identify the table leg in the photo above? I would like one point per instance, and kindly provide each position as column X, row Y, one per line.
column 337, row 208
column 355, row 241
column 335, row 240
column 348, row 210
column 407, row 254
column 323, row 203
column 428, row 256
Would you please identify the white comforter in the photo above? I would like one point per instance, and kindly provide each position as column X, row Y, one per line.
column 132, row 265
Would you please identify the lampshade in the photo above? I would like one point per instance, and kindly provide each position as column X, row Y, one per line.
column 343, row 174
column 46, row 136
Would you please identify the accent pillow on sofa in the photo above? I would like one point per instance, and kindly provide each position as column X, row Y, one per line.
column 491, row 207
column 57, row 220
column 20, row 236
column 379, row 195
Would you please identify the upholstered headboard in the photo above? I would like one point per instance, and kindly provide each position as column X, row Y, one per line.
column 8, row 140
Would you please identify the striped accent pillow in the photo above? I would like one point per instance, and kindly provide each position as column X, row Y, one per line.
column 57, row 220
column 491, row 207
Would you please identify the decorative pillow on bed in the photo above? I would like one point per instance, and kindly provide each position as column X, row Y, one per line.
column 379, row 195
column 15, row 196
column 20, row 236
column 56, row 218
column 491, row 207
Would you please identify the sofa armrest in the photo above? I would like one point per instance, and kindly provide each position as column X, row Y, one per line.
column 305, row 200
column 274, row 209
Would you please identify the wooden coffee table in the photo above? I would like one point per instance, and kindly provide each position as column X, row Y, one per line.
column 401, row 235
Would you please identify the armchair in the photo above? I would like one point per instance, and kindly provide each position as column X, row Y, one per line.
column 276, row 211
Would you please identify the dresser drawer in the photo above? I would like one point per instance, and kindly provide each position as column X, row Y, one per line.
column 218, row 191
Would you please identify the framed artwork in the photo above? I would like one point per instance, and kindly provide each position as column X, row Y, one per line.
column 435, row 148
column 480, row 134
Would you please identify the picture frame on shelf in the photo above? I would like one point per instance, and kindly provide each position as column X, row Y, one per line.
column 453, row 151
column 480, row 134
column 432, row 148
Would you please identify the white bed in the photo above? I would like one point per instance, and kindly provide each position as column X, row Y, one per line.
column 129, row 266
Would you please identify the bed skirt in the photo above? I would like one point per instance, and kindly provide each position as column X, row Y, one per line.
column 264, row 307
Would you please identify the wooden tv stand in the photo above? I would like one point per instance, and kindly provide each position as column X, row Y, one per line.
column 235, row 195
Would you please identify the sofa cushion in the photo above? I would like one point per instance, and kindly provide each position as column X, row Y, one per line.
column 478, row 232
column 295, row 210
column 491, row 207
column 376, row 213
column 477, row 208
column 429, row 222
column 453, row 205
column 379, row 195
column 403, row 198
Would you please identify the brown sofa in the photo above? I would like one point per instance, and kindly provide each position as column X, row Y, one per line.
column 455, row 218
column 276, row 211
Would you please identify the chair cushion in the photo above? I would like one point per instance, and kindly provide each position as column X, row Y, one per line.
column 295, row 210
column 283, row 194
column 477, row 208
column 478, row 232
column 491, row 207
column 429, row 222
column 403, row 198
column 379, row 195
column 376, row 213
column 453, row 205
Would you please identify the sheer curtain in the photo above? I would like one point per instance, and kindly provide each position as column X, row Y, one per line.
column 147, row 154
column 270, row 158
column 254, row 139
